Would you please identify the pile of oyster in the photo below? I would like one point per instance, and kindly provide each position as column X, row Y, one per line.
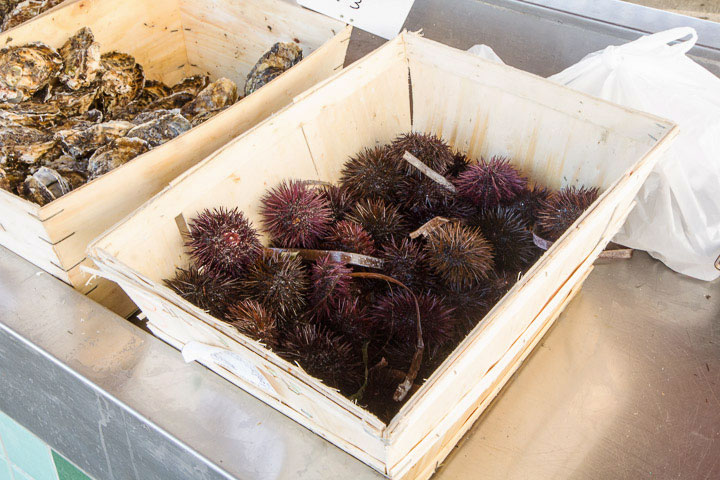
column 71, row 115
column 15, row 12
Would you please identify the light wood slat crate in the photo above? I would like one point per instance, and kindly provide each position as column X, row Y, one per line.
column 557, row 136
column 172, row 39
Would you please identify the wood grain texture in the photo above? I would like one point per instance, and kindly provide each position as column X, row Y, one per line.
column 556, row 134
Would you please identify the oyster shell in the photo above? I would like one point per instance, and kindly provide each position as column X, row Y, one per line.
column 193, row 85
column 174, row 100
column 155, row 90
column 160, row 130
column 81, row 58
column 24, row 11
column 116, row 153
column 30, row 114
column 23, row 144
column 74, row 171
column 121, row 82
column 73, row 102
column 26, row 69
column 79, row 143
column 279, row 58
column 80, row 122
column 205, row 116
column 44, row 186
column 149, row 116
column 218, row 94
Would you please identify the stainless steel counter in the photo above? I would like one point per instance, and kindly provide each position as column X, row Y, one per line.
column 625, row 385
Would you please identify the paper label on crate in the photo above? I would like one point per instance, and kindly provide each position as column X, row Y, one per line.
column 381, row 17
column 231, row 361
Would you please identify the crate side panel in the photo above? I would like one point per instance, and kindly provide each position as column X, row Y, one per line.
column 281, row 389
column 251, row 27
column 85, row 213
column 22, row 232
column 556, row 136
column 150, row 31
column 422, row 466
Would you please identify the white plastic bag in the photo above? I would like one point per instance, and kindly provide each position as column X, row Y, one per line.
column 483, row 51
column 677, row 217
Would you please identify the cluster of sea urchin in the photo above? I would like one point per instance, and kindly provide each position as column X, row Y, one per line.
column 354, row 323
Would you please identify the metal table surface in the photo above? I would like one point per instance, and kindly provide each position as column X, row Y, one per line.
column 625, row 385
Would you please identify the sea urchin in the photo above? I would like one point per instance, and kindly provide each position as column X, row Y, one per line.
column 460, row 255
column 279, row 282
column 489, row 183
column 562, row 208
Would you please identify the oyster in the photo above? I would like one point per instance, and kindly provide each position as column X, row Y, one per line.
column 30, row 114
column 155, row 90
column 149, row 116
column 160, row 130
column 79, row 143
column 81, row 57
column 218, row 94
column 174, row 100
column 73, row 102
column 44, row 186
column 24, row 11
column 23, row 144
column 26, row 69
column 279, row 58
column 193, row 85
column 121, row 82
column 75, row 171
column 116, row 153
column 80, row 122
column 205, row 116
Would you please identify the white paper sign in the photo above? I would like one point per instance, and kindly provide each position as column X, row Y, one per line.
column 381, row 17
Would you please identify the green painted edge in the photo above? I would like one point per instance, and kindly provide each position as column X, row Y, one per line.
column 66, row 470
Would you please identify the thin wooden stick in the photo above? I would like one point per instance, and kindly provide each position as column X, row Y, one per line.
column 432, row 174
column 344, row 257
column 429, row 227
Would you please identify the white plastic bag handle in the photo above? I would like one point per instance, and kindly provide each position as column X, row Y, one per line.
column 656, row 40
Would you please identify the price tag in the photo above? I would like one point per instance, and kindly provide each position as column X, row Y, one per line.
column 381, row 17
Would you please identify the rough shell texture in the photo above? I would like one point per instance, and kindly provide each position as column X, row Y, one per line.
column 218, row 94
column 81, row 57
column 193, row 85
column 74, row 171
column 23, row 144
column 26, row 69
column 30, row 114
column 116, row 153
column 279, row 58
column 160, row 130
column 204, row 117
column 24, row 11
column 79, row 143
column 122, row 80
column 44, row 186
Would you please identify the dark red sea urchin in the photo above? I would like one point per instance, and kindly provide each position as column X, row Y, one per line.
column 511, row 240
column 279, row 282
column 223, row 242
column 528, row 203
column 429, row 149
column 490, row 183
column 253, row 320
column 380, row 220
column 460, row 255
column 372, row 173
column 395, row 313
column 324, row 355
column 339, row 200
column 295, row 215
column 558, row 212
column 405, row 261
column 348, row 236
column 331, row 283
column 214, row 294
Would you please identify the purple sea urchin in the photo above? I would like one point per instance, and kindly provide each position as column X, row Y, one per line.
column 339, row 200
column 429, row 149
column 406, row 262
column 253, row 320
column 459, row 164
column 223, row 242
column 279, row 282
column 528, row 203
column 348, row 236
column 331, row 283
column 395, row 313
column 511, row 240
column 350, row 319
column 324, row 355
column 460, row 255
column 425, row 199
column 380, row 220
column 490, row 183
column 295, row 215
column 214, row 294
column 558, row 212
column 372, row 174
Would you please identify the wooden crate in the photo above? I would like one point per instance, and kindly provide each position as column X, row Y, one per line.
column 556, row 135
column 171, row 39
